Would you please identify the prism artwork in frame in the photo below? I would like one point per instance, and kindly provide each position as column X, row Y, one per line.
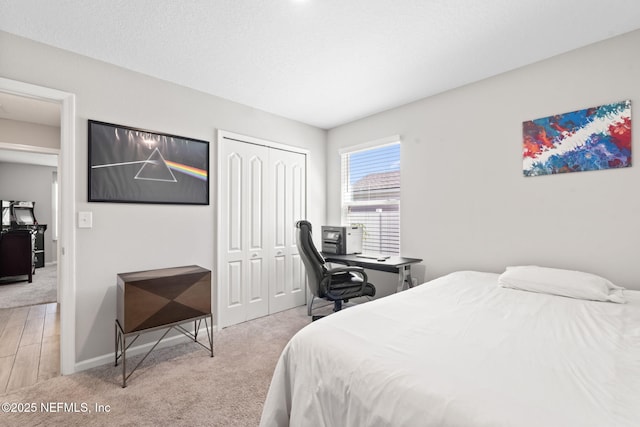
column 129, row 165
column 595, row 138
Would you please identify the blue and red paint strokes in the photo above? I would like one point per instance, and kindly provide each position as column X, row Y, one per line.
column 590, row 139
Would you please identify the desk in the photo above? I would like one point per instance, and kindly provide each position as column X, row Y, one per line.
column 393, row 264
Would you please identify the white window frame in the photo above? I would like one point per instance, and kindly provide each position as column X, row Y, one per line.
column 345, row 197
column 54, row 205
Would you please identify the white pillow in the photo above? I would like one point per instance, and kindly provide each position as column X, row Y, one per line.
column 568, row 283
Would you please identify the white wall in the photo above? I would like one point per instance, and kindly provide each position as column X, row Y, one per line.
column 132, row 237
column 31, row 183
column 465, row 203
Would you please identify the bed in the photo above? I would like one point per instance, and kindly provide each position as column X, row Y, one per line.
column 462, row 350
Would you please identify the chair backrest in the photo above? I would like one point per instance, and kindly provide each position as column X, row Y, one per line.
column 313, row 262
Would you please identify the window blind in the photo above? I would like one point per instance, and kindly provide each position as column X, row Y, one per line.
column 371, row 195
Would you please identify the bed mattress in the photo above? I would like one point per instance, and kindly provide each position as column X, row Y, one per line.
column 462, row 351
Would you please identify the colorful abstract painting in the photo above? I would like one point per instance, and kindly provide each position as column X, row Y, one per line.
column 590, row 139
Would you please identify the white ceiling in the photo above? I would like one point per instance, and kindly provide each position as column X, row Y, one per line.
column 322, row 62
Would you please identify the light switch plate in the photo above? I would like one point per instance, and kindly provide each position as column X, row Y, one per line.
column 85, row 219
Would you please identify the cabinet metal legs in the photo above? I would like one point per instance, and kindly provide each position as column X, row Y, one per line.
column 121, row 344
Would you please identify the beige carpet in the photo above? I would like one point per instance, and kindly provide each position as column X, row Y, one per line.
column 177, row 386
column 16, row 292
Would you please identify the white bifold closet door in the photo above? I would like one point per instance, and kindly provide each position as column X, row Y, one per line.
column 287, row 193
column 262, row 193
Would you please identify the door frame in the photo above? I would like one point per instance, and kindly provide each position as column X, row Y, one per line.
column 222, row 135
column 67, row 235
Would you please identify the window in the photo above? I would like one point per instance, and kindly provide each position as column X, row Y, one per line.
column 371, row 193
column 54, row 206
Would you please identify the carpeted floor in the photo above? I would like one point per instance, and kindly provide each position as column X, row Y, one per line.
column 20, row 293
column 176, row 386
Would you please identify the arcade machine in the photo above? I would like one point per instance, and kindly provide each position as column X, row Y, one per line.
column 18, row 218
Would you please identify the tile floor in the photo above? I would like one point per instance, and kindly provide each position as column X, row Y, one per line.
column 29, row 345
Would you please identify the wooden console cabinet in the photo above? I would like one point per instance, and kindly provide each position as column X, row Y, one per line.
column 164, row 298
column 147, row 299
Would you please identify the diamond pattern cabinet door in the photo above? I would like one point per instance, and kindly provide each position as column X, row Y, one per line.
column 152, row 298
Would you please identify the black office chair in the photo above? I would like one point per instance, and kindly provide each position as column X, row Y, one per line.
column 336, row 284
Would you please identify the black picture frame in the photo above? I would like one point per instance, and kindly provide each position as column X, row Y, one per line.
column 130, row 165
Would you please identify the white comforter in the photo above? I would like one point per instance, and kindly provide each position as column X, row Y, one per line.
column 462, row 351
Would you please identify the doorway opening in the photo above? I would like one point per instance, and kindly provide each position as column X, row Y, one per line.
column 62, row 183
column 29, row 309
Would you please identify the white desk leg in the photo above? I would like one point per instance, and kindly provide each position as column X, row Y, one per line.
column 404, row 277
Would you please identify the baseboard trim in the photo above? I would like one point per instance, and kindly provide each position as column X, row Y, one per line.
column 138, row 349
